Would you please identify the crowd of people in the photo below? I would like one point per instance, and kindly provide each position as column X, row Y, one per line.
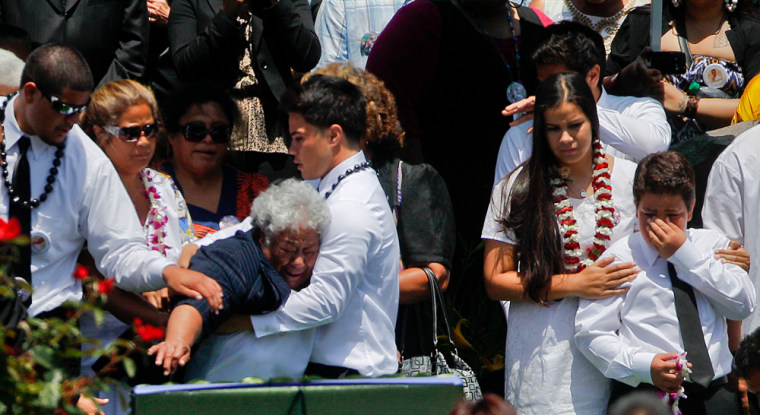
column 279, row 182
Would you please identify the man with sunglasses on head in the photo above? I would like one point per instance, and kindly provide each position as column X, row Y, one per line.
column 66, row 192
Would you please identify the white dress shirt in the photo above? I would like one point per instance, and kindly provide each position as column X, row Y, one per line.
column 629, row 127
column 88, row 203
column 341, row 25
column 236, row 356
column 621, row 335
column 545, row 373
column 732, row 200
column 354, row 291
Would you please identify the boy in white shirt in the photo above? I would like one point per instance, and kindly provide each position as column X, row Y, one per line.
column 635, row 338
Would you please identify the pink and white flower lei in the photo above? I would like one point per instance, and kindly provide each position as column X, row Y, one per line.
column 604, row 212
column 157, row 219
column 671, row 399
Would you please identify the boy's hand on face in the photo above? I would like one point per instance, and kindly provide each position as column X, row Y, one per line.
column 665, row 375
column 665, row 237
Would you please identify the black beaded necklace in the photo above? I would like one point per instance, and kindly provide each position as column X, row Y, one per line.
column 357, row 168
column 32, row 203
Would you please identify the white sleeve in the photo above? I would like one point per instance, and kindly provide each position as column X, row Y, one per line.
column 244, row 226
column 516, row 147
column 330, row 26
column 339, row 270
column 726, row 286
column 115, row 239
column 640, row 129
column 723, row 208
column 492, row 229
column 596, row 326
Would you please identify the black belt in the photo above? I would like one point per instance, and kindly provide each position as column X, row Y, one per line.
column 328, row 371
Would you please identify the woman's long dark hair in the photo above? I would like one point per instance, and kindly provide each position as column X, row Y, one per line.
column 532, row 217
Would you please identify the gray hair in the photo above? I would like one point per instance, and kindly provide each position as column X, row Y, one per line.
column 289, row 205
column 10, row 68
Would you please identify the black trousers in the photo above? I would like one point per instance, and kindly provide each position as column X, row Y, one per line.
column 716, row 399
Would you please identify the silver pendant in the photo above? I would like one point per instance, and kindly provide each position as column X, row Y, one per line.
column 516, row 92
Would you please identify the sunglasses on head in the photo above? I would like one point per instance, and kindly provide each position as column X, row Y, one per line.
column 197, row 131
column 63, row 108
column 132, row 134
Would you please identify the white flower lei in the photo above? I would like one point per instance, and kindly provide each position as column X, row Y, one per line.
column 604, row 211
column 156, row 221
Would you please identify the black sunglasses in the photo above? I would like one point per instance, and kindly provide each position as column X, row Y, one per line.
column 132, row 134
column 63, row 108
column 196, row 131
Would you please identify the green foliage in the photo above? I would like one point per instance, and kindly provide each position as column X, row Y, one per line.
column 40, row 357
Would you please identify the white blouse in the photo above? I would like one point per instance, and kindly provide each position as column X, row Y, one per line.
column 545, row 373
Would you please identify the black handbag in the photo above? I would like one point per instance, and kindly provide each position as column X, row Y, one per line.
column 440, row 361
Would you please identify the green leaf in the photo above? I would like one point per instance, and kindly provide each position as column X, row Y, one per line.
column 51, row 391
column 99, row 315
column 45, row 356
column 129, row 367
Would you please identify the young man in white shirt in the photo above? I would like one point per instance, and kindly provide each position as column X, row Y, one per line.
column 353, row 296
column 635, row 338
column 629, row 127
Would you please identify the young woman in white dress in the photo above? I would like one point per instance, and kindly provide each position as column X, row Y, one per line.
column 547, row 223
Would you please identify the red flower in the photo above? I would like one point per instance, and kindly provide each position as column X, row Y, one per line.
column 106, row 286
column 606, row 222
column 9, row 230
column 147, row 332
column 81, row 272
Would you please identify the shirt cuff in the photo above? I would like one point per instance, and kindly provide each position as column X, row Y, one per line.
column 265, row 324
column 642, row 367
column 156, row 273
column 686, row 255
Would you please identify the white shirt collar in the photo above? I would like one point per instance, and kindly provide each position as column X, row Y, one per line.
column 12, row 132
column 325, row 185
column 603, row 98
column 649, row 253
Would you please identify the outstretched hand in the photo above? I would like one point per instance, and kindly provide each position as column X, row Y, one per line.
column 523, row 106
column 170, row 354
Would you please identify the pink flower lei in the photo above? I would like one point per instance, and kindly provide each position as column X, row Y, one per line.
column 604, row 211
column 157, row 219
column 671, row 399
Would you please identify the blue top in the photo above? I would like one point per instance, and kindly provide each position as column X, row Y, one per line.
column 249, row 282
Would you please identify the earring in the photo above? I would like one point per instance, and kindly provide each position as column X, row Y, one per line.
column 676, row 3
column 730, row 5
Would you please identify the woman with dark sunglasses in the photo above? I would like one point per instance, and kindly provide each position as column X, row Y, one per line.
column 199, row 122
column 123, row 119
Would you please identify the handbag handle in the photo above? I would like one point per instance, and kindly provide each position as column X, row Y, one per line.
column 436, row 297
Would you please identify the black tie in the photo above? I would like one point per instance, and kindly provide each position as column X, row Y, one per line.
column 22, row 192
column 691, row 330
